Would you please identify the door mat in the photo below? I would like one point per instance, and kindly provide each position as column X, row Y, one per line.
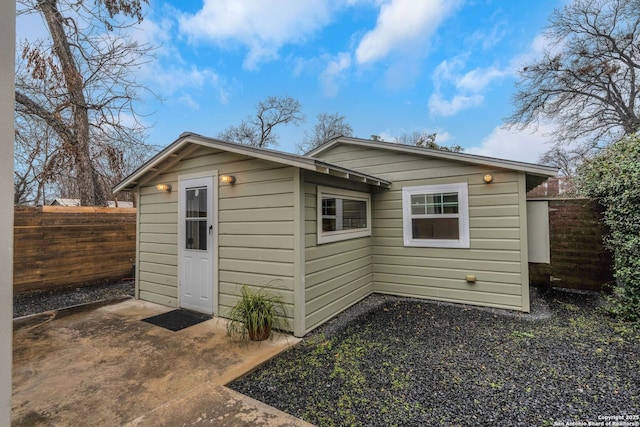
column 177, row 319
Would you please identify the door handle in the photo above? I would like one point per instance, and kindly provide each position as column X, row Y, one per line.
column 210, row 229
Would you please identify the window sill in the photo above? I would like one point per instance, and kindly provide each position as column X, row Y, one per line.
column 338, row 236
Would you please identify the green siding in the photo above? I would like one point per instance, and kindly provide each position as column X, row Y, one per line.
column 255, row 229
column 495, row 255
column 267, row 235
column 157, row 275
column 338, row 274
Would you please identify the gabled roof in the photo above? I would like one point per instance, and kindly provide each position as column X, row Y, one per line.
column 529, row 168
column 535, row 174
column 180, row 147
column 61, row 201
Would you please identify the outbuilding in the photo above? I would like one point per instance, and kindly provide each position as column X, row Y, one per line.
column 326, row 229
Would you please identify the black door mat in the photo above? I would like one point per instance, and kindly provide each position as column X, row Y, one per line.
column 177, row 319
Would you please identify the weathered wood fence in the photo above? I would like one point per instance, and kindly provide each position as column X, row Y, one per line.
column 578, row 257
column 57, row 247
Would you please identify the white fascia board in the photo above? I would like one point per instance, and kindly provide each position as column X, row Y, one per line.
column 150, row 165
column 293, row 160
column 531, row 168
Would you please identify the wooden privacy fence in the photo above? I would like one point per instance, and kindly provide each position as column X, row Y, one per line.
column 58, row 246
column 578, row 257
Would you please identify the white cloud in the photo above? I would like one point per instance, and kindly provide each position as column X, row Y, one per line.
column 448, row 70
column 467, row 88
column 541, row 43
column 262, row 26
column 168, row 74
column 333, row 73
column 386, row 136
column 170, row 81
column 156, row 30
column 442, row 136
column 438, row 106
column 489, row 39
column 478, row 79
column 189, row 102
column 403, row 25
column 524, row 146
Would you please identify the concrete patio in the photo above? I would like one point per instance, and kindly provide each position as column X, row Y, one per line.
column 101, row 365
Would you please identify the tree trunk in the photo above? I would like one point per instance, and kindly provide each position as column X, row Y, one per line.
column 74, row 84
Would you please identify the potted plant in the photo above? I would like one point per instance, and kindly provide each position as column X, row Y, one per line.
column 255, row 315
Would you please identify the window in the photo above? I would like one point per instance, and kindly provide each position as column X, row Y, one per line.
column 436, row 216
column 342, row 214
column 196, row 219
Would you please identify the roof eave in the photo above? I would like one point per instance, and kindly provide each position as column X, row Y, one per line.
column 535, row 169
column 330, row 169
column 301, row 162
column 131, row 181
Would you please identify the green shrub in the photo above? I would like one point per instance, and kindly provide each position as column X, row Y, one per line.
column 256, row 314
column 613, row 179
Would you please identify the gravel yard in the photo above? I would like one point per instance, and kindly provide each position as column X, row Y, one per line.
column 393, row 361
column 41, row 301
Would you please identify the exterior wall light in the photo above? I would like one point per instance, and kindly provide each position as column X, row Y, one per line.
column 488, row 179
column 164, row 187
column 227, row 179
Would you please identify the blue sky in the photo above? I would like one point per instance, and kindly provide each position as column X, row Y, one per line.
column 389, row 66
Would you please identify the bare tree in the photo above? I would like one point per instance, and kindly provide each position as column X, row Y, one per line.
column 565, row 159
column 257, row 131
column 81, row 84
column 426, row 140
column 328, row 126
column 587, row 80
column 244, row 133
column 32, row 160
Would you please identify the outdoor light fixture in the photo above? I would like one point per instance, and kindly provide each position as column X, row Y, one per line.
column 488, row 179
column 227, row 179
column 164, row 187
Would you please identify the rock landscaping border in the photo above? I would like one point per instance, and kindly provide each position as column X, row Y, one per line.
column 42, row 301
column 414, row 362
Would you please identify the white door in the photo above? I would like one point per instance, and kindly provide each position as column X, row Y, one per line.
column 195, row 240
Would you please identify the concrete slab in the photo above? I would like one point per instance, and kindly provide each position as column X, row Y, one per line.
column 215, row 405
column 104, row 366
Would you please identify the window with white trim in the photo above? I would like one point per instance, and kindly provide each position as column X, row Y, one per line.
column 342, row 214
column 436, row 216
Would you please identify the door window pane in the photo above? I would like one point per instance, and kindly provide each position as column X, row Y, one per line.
column 197, row 202
column 196, row 234
column 196, row 219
